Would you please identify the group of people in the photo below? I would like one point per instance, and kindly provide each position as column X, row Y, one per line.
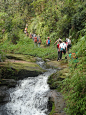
column 63, row 47
column 36, row 39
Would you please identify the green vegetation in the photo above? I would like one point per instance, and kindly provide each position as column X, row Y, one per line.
column 74, row 86
column 57, row 18
column 26, row 46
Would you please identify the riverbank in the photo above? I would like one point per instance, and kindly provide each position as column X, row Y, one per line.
column 18, row 66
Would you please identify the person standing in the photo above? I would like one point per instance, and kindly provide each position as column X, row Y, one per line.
column 25, row 31
column 35, row 41
column 62, row 48
column 68, row 43
column 30, row 36
column 58, row 50
column 38, row 36
column 48, row 41
column 34, row 36
column 39, row 42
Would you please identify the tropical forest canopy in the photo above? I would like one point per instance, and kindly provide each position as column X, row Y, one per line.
column 54, row 18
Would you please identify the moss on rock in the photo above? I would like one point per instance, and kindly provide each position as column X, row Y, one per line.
column 21, row 57
column 58, row 64
column 19, row 69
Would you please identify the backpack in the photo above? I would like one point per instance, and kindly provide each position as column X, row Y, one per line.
column 57, row 45
column 39, row 41
column 62, row 47
column 35, row 39
column 48, row 41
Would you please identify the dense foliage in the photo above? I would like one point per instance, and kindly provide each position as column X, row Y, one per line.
column 54, row 18
column 74, row 86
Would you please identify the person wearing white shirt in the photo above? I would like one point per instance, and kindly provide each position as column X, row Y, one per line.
column 69, row 43
column 62, row 48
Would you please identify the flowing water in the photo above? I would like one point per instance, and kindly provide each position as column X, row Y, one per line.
column 30, row 96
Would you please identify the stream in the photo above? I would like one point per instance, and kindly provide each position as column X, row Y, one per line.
column 30, row 96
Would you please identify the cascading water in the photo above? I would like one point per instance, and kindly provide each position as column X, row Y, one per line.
column 30, row 97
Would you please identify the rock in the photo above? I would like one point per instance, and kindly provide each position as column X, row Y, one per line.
column 19, row 67
column 56, row 114
column 57, row 64
column 8, row 82
column 59, row 103
column 4, row 96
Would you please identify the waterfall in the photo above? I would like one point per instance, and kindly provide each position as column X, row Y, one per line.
column 30, row 97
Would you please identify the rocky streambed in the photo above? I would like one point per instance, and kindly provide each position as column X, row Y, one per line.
column 18, row 67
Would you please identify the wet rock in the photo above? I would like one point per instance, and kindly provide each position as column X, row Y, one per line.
column 8, row 82
column 4, row 96
column 56, row 98
column 50, row 103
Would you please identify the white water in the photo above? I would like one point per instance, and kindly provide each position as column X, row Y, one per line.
column 30, row 97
